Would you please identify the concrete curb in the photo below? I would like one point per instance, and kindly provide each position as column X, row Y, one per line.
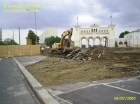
column 38, row 89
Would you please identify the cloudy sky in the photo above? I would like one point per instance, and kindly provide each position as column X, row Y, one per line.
column 63, row 14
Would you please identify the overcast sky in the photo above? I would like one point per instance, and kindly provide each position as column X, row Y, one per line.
column 63, row 14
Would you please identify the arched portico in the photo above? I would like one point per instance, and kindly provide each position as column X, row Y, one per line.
column 97, row 33
column 97, row 41
column 84, row 42
column 104, row 41
column 90, row 42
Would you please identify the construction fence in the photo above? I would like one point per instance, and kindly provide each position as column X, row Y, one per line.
column 19, row 50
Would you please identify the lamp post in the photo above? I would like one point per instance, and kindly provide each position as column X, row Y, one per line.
column 35, row 24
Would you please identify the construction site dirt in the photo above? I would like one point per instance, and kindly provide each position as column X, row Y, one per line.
column 85, row 65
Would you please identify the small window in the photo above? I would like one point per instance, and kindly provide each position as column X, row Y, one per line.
column 91, row 30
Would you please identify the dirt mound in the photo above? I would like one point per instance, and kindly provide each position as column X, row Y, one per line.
column 96, row 52
column 105, row 64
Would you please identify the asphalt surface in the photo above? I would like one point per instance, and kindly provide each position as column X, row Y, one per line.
column 28, row 60
column 13, row 87
column 118, row 92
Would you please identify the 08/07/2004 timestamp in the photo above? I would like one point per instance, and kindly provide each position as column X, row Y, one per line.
column 127, row 98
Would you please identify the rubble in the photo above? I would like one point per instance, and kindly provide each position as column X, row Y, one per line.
column 96, row 52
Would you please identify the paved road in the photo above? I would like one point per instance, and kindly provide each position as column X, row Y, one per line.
column 27, row 60
column 109, row 92
column 13, row 87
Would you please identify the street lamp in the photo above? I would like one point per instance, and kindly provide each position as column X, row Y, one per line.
column 35, row 24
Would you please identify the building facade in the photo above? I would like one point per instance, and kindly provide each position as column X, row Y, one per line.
column 104, row 35
column 131, row 39
column 52, row 31
column 120, row 42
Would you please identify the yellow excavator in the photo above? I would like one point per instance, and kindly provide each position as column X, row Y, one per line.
column 65, row 44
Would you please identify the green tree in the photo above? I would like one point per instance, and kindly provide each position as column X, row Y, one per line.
column 9, row 41
column 123, row 34
column 2, row 43
column 32, row 36
column 49, row 41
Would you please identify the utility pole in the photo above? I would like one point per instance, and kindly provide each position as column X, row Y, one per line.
column 13, row 38
column 133, row 40
column 137, row 40
column 19, row 34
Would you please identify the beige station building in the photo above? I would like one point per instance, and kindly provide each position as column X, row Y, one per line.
column 104, row 35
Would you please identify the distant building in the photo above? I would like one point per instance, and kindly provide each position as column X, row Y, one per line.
column 104, row 35
column 0, row 34
column 43, row 36
column 52, row 31
column 132, row 39
column 120, row 42
column 47, row 33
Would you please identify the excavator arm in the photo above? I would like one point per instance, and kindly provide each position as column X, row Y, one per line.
column 63, row 36
column 63, row 46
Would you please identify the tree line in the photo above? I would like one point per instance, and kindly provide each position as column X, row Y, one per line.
column 49, row 41
column 8, row 41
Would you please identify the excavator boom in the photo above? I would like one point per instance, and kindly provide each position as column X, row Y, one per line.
column 63, row 36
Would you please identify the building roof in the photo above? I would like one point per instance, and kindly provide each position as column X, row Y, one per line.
column 94, row 25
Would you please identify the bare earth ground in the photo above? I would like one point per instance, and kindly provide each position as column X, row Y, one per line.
column 57, row 71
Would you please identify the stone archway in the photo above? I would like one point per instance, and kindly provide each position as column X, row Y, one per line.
column 104, row 41
column 120, row 43
column 90, row 42
column 83, row 42
column 126, row 43
column 97, row 41
column 116, row 44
